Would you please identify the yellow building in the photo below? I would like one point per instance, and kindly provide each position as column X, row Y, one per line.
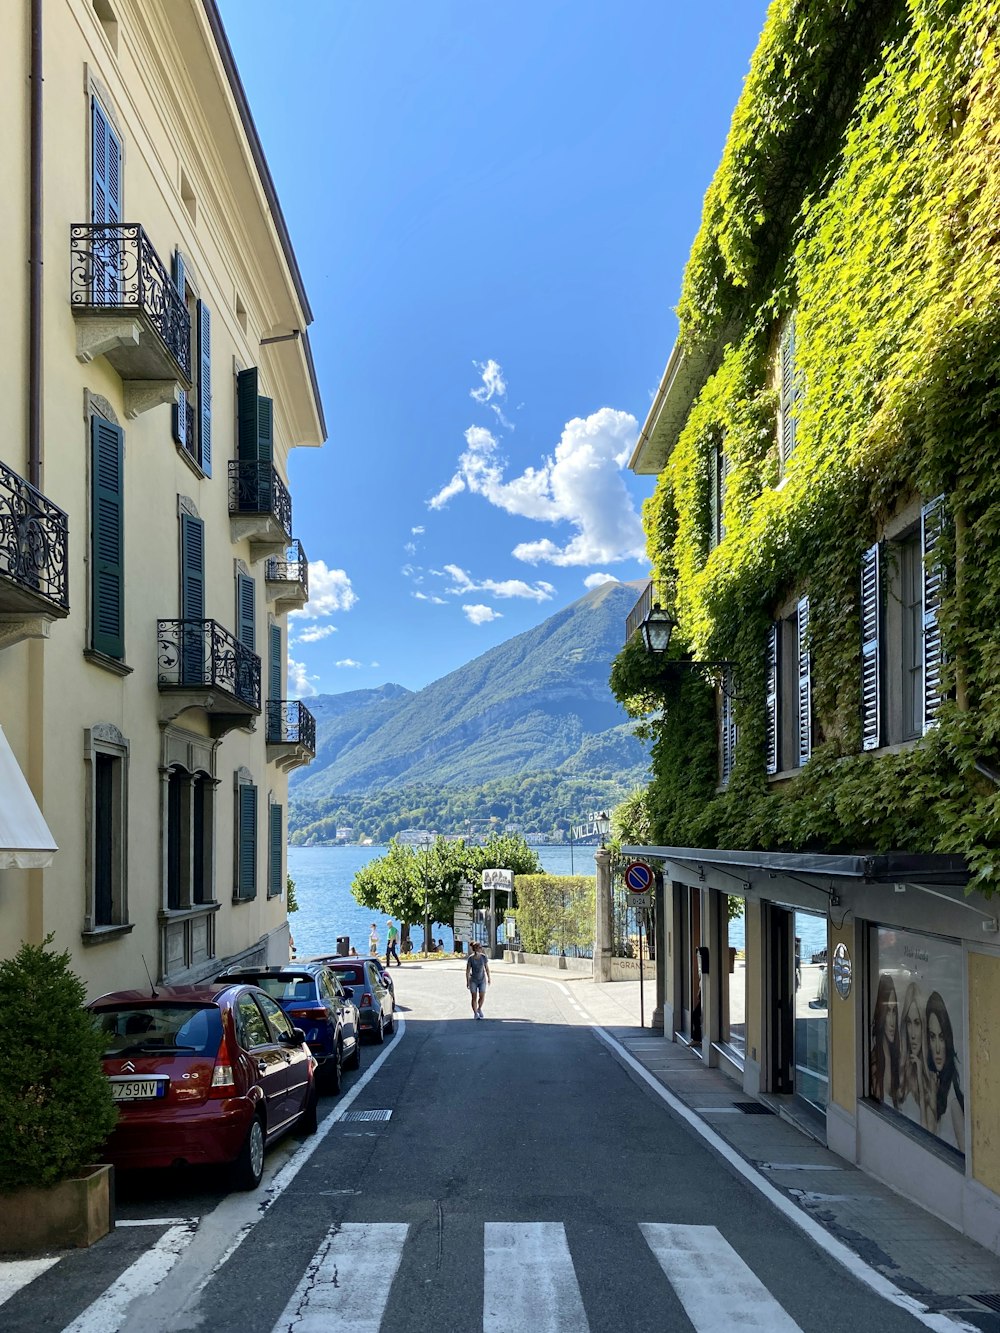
column 157, row 372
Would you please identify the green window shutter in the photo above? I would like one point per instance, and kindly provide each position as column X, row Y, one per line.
column 871, row 666
column 204, row 372
column 804, row 682
column 933, row 517
column 771, row 678
column 275, row 846
column 178, row 412
column 727, row 737
column 274, row 661
column 246, row 849
column 265, row 430
column 245, row 599
column 107, row 538
column 247, row 384
column 192, row 568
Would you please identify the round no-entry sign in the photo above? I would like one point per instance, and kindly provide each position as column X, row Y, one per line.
column 638, row 877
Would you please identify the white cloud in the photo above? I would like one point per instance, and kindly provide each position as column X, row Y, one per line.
column 493, row 386
column 416, row 532
column 347, row 662
column 329, row 591
column 580, row 484
column 410, row 548
column 595, row 580
column 462, row 584
column 481, row 615
column 429, row 597
column 313, row 633
column 300, row 684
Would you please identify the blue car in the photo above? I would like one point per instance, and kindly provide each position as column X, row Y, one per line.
column 315, row 1001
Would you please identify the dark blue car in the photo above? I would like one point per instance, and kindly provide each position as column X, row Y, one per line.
column 315, row 1001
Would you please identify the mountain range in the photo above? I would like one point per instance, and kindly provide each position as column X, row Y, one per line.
column 525, row 730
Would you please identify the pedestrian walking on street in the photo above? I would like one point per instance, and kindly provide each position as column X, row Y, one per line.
column 373, row 940
column 392, row 935
column 477, row 977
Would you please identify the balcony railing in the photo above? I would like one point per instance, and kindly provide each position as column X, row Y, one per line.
column 289, row 722
column 34, row 541
column 256, row 488
column 114, row 270
column 641, row 610
column 200, row 654
column 293, row 567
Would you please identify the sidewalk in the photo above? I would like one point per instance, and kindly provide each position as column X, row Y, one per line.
column 920, row 1254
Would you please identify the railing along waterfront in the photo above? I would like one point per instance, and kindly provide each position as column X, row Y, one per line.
column 289, row 722
column 114, row 268
column 256, row 488
column 292, row 568
column 193, row 653
column 34, row 539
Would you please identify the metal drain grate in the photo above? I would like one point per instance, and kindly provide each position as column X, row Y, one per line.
column 991, row 1299
column 366, row 1115
column 753, row 1108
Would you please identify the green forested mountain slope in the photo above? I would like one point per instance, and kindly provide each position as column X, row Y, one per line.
column 538, row 704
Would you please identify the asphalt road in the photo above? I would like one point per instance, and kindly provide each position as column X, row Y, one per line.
column 524, row 1180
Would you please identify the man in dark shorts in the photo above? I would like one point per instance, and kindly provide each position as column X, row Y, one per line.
column 392, row 935
column 477, row 978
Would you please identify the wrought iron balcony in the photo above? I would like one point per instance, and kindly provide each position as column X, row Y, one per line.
column 641, row 610
column 34, row 542
column 287, row 578
column 201, row 665
column 129, row 311
column 260, row 508
column 291, row 733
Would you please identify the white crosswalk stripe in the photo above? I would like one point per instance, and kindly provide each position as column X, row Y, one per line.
column 529, row 1280
column 346, row 1286
column 17, row 1273
column 717, row 1289
column 139, row 1279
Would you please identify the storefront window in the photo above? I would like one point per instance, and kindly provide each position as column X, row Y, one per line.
column 812, row 992
column 917, row 1031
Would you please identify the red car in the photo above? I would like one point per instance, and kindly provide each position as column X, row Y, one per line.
column 203, row 1074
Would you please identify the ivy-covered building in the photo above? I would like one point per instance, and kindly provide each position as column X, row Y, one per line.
column 825, row 799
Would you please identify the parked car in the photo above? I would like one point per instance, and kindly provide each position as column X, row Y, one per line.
column 370, row 993
column 203, row 1074
column 328, row 959
column 313, row 998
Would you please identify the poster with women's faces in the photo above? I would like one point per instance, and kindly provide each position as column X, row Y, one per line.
column 917, row 1039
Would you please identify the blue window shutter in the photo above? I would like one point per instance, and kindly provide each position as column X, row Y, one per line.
column 789, row 389
column 178, row 412
column 246, row 849
column 771, row 670
column 727, row 736
column 107, row 537
column 932, row 520
column 192, row 568
column 245, row 631
column 204, row 363
column 274, row 661
column 804, row 681
column 247, row 382
column 871, row 672
column 265, row 430
column 275, row 844
column 106, row 168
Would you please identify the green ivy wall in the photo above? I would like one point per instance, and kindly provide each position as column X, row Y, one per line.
column 859, row 186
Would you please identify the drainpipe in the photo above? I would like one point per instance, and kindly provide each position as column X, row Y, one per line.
column 35, row 257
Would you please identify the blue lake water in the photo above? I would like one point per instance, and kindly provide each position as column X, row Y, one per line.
column 327, row 907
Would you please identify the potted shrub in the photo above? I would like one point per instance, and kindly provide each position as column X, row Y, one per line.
column 55, row 1106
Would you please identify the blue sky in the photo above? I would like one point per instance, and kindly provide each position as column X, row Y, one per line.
column 491, row 206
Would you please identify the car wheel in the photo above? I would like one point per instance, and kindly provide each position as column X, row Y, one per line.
column 380, row 1031
column 249, row 1166
column 392, row 1024
column 333, row 1070
column 354, row 1061
column 310, row 1116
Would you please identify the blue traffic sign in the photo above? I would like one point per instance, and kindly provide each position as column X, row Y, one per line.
column 638, row 877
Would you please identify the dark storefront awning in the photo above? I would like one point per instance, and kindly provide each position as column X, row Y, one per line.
column 25, row 840
column 691, row 863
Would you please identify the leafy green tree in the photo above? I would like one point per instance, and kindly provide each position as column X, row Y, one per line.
column 555, row 911
column 55, row 1103
column 291, row 901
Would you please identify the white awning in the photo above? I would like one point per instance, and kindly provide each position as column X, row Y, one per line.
column 25, row 840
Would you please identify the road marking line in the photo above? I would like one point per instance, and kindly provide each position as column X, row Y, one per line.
column 718, row 1290
column 157, row 1222
column 529, row 1280
column 139, row 1279
column 345, row 1289
column 17, row 1273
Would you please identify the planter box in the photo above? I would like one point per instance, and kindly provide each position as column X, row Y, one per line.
column 75, row 1212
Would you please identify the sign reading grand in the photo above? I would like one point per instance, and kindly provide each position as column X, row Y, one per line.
column 498, row 879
